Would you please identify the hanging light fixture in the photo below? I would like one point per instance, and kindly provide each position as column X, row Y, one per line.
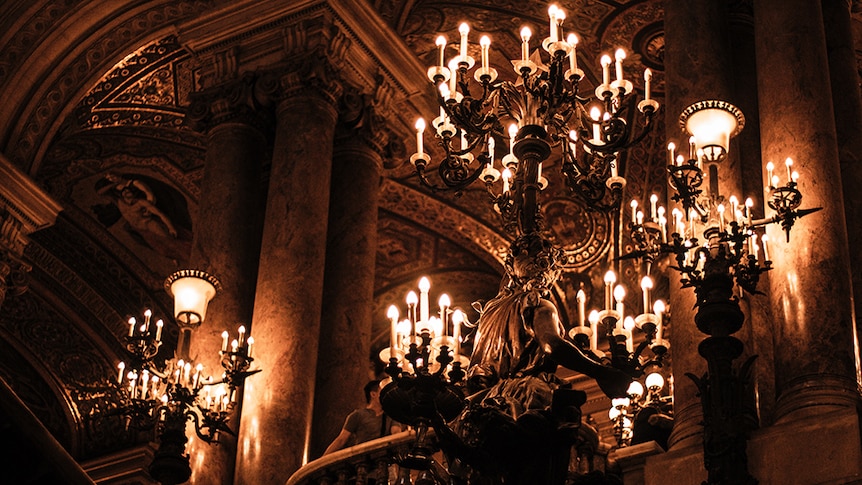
column 192, row 291
column 541, row 112
column 625, row 413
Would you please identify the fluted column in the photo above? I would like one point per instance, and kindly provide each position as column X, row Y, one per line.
column 811, row 292
column 227, row 239
column 696, row 68
column 344, row 365
column 277, row 405
column 847, row 104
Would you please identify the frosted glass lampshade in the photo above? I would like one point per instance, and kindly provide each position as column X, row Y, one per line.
column 712, row 123
column 192, row 291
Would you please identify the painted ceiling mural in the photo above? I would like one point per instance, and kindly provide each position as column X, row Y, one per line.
column 124, row 145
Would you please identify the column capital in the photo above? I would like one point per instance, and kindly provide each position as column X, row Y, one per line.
column 366, row 115
column 246, row 99
column 24, row 209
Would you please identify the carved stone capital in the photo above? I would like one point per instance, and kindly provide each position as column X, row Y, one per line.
column 246, row 100
column 24, row 208
column 367, row 116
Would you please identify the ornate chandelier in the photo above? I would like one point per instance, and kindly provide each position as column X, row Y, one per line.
column 164, row 394
column 544, row 112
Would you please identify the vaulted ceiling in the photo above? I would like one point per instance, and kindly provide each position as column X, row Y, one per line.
column 93, row 90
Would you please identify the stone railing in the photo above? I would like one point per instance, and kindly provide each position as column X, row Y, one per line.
column 376, row 459
column 357, row 464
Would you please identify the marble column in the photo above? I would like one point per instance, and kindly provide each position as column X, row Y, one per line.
column 344, row 365
column 811, row 291
column 696, row 66
column 227, row 240
column 277, row 406
column 847, row 104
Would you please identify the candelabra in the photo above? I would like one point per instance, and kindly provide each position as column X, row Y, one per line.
column 730, row 254
column 545, row 111
column 165, row 394
column 641, row 417
column 619, row 328
column 425, row 366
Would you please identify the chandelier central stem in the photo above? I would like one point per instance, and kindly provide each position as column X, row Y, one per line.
column 531, row 148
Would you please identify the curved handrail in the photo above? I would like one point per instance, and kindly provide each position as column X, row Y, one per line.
column 352, row 454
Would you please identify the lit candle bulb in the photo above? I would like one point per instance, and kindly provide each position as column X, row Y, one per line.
column 420, row 129
column 582, row 301
column 392, row 314
column 553, row 11
column 572, row 40
column 457, row 320
column 441, row 43
column 444, row 302
column 250, row 344
column 619, row 296
column 606, row 69
column 224, row 337
column 513, row 133
column 594, row 325
column 670, row 148
column 525, row 43
column 647, row 81
column 619, row 55
column 463, row 29
column 485, row 43
column 159, row 325
column 764, row 238
column 692, row 148
column 794, row 177
column 646, row 286
column 595, row 114
column 628, row 326
column 424, row 309
column 788, row 163
column 610, row 279
column 507, row 175
column 634, row 205
column 241, row 332
column 720, row 210
column 749, row 203
column 769, row 168
column 132, row 323
column 147, row 315
column 491, row 144
column 653, row 200
column 122, row 367
column 411, row 300
column 734, row 204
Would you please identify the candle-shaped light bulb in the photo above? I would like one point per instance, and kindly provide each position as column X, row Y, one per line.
column 513, row 133
column 671, row 146
column 491, row 144
column 595, row 114
column 679, row 160
column 619, row 296
column 720, row 210
column 619, row 55
column 639, row 218
column 241, row 332
column 692, row 148
column 763, row 239
column 553, row 12
column 610, row 279
column 526, row 33
column 457, row 320
column 658, row 309
column 646, row 286
column 234, row 345
column 734, row 204
column 122, row 367
column 774, row 181
column 444, row 302
column 485, row 43
column 464, row 29
column 634, row 205
column 132, row 323
column 653, row 200
column 749, row 203
column 581, row 297
column 507, row 176
column 224, row 337
column 572, row 40
column 788, row 163
column 441, row 43
column 628, row 326
column 392, row 314
column 769, row 168
column 606, row 69
column 159, row 325
column 147, row 315
column 794, row 176
column 250, row 344
column 420, row 130
column 647, row 83
column 594, row 325
column 424, row 309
